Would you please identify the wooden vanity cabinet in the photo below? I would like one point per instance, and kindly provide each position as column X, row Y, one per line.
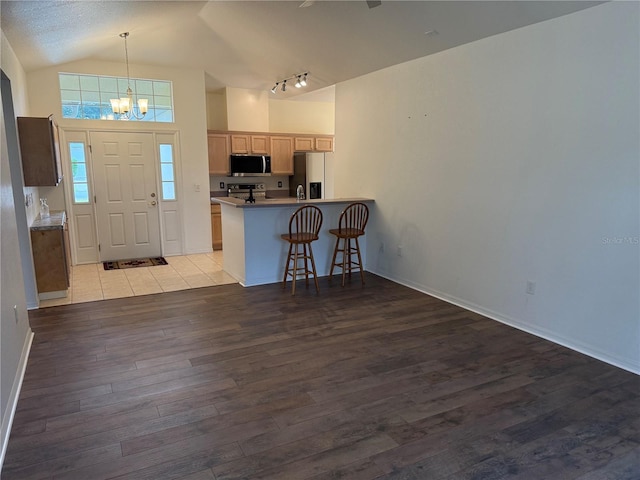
column 216, row 226
column 40, row 151
column 51, row 260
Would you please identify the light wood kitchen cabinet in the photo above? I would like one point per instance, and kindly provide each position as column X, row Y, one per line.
column 313, row 144
column 216, row 226
column 218, row 145
column 282, row 155
column 40, row 151
column 250, row 144
column 51, row 260
column 304, row 144
column 323, row 144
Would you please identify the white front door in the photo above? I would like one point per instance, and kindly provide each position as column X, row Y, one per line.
column 126, row 195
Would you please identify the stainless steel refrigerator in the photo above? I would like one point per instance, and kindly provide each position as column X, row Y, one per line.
column 309, row 170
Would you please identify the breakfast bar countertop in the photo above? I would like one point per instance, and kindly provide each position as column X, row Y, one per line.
column 284, row 202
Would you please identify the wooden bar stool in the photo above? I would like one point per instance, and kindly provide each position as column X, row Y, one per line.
column 350, row 226
column 304, row 227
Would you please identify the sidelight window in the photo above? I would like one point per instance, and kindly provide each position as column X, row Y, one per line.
column 167, row 172
column 79, row 172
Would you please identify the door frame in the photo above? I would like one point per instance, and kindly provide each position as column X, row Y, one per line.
column 170, row 212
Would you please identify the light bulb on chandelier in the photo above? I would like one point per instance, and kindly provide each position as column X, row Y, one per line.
column 124, row 107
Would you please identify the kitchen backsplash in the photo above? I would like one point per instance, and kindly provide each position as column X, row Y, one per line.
column 273, row 183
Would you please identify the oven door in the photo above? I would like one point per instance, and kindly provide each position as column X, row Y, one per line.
column 250, row 165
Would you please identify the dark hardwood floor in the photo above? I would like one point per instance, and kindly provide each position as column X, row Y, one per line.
column 357, row 383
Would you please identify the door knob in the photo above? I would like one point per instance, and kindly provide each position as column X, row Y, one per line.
column 153, row 195
column 153, row 204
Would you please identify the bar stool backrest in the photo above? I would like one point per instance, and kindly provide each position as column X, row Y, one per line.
column 306, row 220
column 354, row 219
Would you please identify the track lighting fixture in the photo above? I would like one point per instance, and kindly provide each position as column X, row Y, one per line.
column 300, row 78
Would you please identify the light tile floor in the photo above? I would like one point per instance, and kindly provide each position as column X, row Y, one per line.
column 92, row 282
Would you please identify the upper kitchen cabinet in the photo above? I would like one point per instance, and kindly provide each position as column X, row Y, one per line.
column 324, row 144
column 249, row 144
column 281, row 155
column 40, row 151
column 218, row 144
column 313, row 144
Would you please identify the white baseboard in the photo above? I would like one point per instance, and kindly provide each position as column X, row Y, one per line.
column 572, row 344
column 8, row 414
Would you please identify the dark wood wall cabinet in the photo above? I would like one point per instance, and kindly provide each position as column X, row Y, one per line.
column 40, row 151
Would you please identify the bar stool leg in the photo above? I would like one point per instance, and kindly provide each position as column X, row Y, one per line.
column 295, row 271
column 286, row 269
column 333, row 260
column 313, row 265
column 359, row 260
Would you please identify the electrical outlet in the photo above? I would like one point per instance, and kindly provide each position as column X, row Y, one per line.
column 221, row 185
column 279, row 184
column 531, row 287
column 400, row 250
column 196, row 187
column 381, row 247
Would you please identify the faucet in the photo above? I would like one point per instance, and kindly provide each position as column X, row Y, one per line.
column 300, row 192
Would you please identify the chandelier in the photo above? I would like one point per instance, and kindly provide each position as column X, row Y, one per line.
column 124, row 107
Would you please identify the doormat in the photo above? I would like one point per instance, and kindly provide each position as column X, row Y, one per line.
column 136, row 262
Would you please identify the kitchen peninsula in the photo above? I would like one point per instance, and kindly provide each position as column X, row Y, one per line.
column 254, row 253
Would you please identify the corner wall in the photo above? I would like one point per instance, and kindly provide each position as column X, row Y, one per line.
column 510, row 160
column 15, row 333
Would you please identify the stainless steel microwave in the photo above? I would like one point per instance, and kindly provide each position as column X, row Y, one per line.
column 250, row 165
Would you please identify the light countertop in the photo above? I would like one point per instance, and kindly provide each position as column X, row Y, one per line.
column 55, row 220
column 284, row 202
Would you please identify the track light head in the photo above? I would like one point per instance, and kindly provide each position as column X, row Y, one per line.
column 300, row 81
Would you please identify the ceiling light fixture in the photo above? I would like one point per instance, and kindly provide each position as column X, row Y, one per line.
column 124, row 106
column 300, row 78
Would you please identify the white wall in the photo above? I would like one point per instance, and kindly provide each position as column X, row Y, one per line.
column 290, row 116
column 247, row 110
column 190, row 121
column 511, row 159
column 217, row 110
column 15, row 334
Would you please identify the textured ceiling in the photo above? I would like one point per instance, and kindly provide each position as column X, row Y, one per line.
column 253, row 44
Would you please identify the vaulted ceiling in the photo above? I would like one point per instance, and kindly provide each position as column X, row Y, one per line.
column 253, row 44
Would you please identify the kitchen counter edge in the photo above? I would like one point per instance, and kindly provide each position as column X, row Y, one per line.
column 285, row 202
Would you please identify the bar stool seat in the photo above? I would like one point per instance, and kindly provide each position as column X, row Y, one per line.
column 351, row 225
column 304, row 227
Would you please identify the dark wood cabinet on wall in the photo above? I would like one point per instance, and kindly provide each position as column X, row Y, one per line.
column 40, row 151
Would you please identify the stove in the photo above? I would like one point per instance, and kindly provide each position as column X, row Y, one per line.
column 242, row 190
